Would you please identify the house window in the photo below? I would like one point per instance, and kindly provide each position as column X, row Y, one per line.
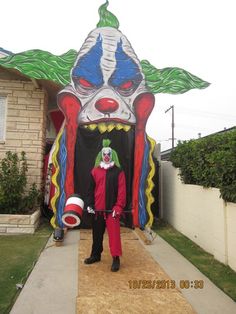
column 3, row 109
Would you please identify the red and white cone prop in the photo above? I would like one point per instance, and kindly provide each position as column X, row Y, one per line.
column 73, row 211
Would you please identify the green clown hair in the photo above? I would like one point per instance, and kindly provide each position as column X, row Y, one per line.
column 107, row 19
column 106, row 143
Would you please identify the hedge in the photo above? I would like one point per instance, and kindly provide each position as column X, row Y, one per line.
column 210, row 162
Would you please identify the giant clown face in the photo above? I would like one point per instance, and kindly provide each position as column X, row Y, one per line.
column 107, row 98
column 107, row 78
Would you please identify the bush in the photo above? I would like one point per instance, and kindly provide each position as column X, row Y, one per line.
column 210, row 161
column 13, row 180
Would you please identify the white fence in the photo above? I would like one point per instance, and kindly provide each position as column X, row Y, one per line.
column 200, row 214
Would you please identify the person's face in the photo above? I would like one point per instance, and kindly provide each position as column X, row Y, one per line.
column 107, row 155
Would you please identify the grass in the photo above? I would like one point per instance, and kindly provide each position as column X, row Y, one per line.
column 19, row 253
column 221, row 275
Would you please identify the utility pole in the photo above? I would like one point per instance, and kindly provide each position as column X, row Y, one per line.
column 172, row 125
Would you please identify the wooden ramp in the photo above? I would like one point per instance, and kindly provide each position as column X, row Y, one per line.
column 140, row 286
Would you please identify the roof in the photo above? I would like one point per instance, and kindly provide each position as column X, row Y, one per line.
column 4, row 53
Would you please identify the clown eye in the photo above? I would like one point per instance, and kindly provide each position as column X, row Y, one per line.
column 85, row 83
column 127, row 85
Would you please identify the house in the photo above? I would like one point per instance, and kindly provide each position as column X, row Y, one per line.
column 27, row 110
column 4, row 53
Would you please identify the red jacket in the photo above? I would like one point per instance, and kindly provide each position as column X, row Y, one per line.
column 107, row 189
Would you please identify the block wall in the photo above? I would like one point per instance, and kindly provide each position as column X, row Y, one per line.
column 25, row 124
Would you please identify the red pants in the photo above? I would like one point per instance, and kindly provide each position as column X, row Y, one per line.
column 113, row 228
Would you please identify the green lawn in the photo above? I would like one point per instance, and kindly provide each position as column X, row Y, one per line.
column 19, row 253
column 222, row 276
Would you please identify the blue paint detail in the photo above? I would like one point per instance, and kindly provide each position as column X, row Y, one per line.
column 126, row 68
column 88, row 66
column 142, row 186
column 62, row 163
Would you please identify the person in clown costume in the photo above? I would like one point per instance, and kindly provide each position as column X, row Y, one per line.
column 106, row 200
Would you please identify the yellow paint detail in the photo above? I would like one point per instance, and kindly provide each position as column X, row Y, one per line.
column 92, row 127
column 126, row 128
column 54, row 178
column 110, row 127
column 102, row 127
column 119, row 126
column 150, row 184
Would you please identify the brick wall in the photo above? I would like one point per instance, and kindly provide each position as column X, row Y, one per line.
column 26, row 124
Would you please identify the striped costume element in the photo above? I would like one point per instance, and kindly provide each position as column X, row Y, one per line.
column 149, row 182
column 62, row 162
column 56, row 165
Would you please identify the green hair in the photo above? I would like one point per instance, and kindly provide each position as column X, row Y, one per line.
column 106, row 17
column 106, row 143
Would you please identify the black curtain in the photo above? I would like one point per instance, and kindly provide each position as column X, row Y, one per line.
column 88, row 145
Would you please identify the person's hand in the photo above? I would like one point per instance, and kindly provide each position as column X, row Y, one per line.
column 116, row 212
column 90, row 210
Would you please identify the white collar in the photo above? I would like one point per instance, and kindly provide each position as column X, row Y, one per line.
column 106, row 166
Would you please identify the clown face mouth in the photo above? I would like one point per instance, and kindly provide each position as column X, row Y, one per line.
column 103, row 127
column 107, row 118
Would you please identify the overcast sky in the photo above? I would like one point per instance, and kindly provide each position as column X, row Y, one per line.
column 198, row 36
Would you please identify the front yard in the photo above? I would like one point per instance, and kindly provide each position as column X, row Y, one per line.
column 19, row 253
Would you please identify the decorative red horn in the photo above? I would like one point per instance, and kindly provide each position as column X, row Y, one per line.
column 143, row 106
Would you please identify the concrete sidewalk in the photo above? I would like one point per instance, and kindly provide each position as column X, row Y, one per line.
column 52, row 287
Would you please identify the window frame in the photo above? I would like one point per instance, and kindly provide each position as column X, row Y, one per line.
column 3, row 139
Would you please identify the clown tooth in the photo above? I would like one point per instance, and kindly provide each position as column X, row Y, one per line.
column 102, row 127
column 110, row 127
column 126, row 128
column 92, row 127
column 119, row 126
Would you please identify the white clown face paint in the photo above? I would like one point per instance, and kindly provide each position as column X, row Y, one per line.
column 107, row 155
column 106, row 78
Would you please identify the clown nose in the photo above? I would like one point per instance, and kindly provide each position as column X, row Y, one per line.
column 106, row 105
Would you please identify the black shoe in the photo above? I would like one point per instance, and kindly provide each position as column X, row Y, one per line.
column 58, row 235
column 92, row 259
column 115, row 264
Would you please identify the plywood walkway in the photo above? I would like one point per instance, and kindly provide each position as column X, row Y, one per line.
column 141, row 285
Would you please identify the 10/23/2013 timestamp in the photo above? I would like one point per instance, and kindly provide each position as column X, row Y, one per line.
column 165, row 284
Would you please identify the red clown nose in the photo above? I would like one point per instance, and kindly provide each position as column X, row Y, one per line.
column 106, row 105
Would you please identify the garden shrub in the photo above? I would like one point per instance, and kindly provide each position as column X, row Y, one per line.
column 14, row 199
column 210, row 161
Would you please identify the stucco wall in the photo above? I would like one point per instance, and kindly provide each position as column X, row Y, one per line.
column 200, row 214
column 25, row 128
